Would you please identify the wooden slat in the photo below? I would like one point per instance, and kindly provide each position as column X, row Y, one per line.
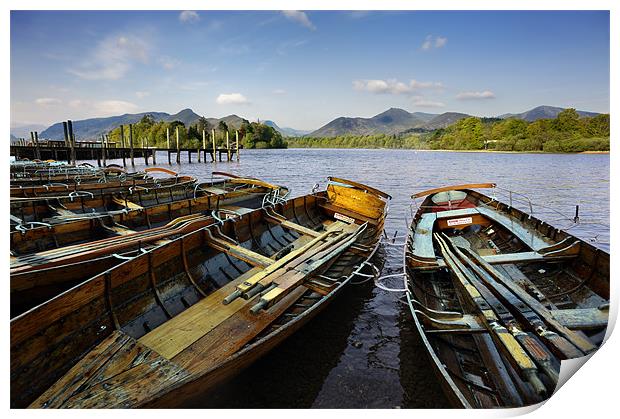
column 454, row 188
column 582, row 318
column 178, row 333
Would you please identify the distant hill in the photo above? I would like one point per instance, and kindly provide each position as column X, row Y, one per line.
column 24, row 130
column 287, row 132
column 392, row 121
column 543, row 112
column 94, row 127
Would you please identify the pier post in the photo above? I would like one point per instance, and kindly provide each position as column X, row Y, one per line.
column 237, row 137
column 131, row 144
column 178, row 146
column 204, row 146
column 145, row 150
column 123, row 145
column 227, row 147
column 67, row 143
column 71, row 140
column 154, row 152
column 168, row 143
column 214, row 147
column 35, row 140
column 104, row 146
column 189, row 155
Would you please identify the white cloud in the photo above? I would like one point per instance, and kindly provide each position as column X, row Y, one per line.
column 113, row 107
column 113, row 57
column 47, row 101
column 299, row 17
column 232, row 99
column 434, row 42
column 142, row 95
column 279, row 92
column 393, row 86
column 189, row 16
column 486, row 94
column 424, row 103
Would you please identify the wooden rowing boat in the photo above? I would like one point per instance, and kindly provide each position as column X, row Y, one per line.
column 173, row 323
column 107, row 184
column 93, row 218
column 38, row 276
column 500, row 297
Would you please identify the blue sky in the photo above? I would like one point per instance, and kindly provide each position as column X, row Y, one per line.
column 302, row 69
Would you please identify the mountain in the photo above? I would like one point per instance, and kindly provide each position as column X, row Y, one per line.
column 543, row 112
column 392, row 121
column 443, row 120
column 287, row 132
column 94, row 127
column 24, row 130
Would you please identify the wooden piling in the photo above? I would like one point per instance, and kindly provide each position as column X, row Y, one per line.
column 178, row 147
column 189, row 155
column 104, row 148
column 227, row 147
column 214, row 148
column 67, row 143
column 35, row 140
column 131, row 144
column 145, row 150
column 168, row 143
column 71, row 140
column 154, row 153
column 123, row 146
column 237, row 137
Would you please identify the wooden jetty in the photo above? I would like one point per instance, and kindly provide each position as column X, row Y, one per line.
column 103, row 149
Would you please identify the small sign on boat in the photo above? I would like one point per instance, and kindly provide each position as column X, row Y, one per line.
column 344, row 218
column 459, row 221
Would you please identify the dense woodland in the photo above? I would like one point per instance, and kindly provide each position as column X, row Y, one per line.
column 566, row 133
column 153, row 133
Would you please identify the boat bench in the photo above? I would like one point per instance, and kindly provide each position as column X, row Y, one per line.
column 423, row 237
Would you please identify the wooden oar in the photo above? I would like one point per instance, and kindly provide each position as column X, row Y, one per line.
column 537, row 351
column 507, row 342
column 561, row 346
column 573, row 337
column 293, row 278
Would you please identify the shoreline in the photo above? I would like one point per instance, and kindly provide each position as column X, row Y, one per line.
column 449, row 151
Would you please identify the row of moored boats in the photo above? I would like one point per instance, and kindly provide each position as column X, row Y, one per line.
column 148, row 289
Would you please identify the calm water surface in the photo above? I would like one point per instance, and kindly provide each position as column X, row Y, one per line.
column 362, row 350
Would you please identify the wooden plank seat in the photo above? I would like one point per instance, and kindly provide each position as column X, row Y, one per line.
column 517, row 257
column 339, row 210
column 583, row 318
column 212, row 190
column 423, row 238
column 116, row 373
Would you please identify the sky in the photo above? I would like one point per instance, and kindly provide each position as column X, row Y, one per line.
column 303, row 69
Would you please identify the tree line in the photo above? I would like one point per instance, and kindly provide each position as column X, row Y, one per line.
column 568, row 132
column 154, row 133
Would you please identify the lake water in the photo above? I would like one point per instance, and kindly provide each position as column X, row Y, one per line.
column 362, row 350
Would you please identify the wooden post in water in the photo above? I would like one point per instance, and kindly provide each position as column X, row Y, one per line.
column 214, row 147
column 154, row 152
column 227, row 147
column 123, row 145
column 71, row 141
column 204, row 145
column 168, row 143
column 178, row 146
column 189, row 155
column 237, row 137
column 104, row 148
column 35, row 142
column 66, row 131
column 131, row 144
column 145, row 150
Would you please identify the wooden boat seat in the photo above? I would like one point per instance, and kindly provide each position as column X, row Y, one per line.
column 349, row 213
column 582, row 318
column 114, row 374
column 423, row 237
column 126, row 204
column 213, row 190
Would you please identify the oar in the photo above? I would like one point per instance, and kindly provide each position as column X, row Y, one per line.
column 508, row 344
column 559, row 344
column 539, row 353
column 574, row 338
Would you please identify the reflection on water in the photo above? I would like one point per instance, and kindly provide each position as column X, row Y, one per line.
column 362, row 351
